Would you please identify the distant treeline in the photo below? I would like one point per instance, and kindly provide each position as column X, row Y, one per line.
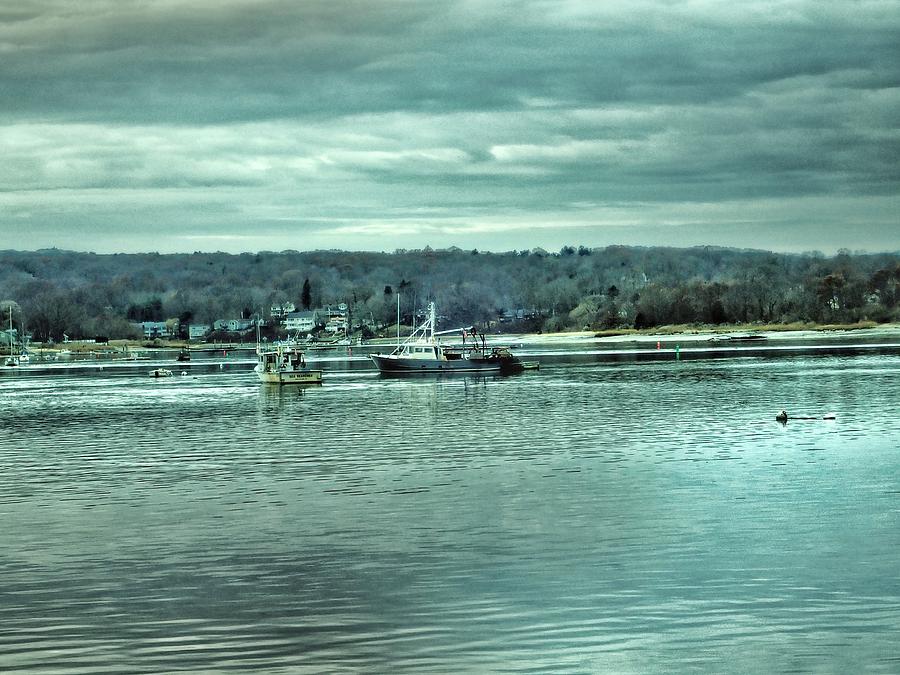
column 84, row 294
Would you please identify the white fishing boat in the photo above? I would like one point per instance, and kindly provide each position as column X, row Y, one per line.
column 285, row 365
column 160, row 372
column 423, row 352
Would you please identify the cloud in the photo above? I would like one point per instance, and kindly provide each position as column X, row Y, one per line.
column 189, row 116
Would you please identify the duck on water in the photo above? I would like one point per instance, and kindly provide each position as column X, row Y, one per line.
column 783, row 417
column 423, row 351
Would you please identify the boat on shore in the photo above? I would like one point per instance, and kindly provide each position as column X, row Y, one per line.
column 739, row 337
column 423, row 352
column 285, row 365
column 319, row 344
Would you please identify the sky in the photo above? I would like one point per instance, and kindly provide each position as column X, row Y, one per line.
column 238, row 125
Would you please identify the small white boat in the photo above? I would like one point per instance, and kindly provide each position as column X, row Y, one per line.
column 160, row 372
column 285, row 365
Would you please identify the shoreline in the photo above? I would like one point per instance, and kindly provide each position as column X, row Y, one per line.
column 711, row 333
column 659, row 333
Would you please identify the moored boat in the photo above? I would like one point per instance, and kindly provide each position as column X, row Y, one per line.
column 423, row 351
column 285, row 365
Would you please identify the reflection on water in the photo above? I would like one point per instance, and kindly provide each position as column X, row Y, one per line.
column 641, row 516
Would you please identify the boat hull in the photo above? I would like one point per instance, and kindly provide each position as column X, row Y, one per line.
column 291, row 377
column 393, row 365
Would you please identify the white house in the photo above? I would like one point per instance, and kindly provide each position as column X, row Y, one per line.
column 282, row 309
column 302, row 321
column 198, row 331
column 233, row 325
column 155, row 329
column 336, row 324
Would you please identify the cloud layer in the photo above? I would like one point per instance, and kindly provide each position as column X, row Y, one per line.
column 128, row 125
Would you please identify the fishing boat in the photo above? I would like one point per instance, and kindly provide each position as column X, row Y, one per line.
column 285, row 365
column 160, row 372
column 423, row 351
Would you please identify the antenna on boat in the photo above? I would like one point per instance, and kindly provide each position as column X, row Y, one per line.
column 257, row 330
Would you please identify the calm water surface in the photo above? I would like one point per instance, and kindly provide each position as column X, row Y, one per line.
column 589, row 517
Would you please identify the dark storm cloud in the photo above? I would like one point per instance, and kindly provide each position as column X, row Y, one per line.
column 220, row 61
column 443, row 121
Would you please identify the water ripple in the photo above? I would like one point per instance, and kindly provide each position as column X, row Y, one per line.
column 632, row 516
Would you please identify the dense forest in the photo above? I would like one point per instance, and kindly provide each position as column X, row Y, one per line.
column 54, row 292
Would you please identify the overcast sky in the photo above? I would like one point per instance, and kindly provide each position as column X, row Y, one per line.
column 134, row 125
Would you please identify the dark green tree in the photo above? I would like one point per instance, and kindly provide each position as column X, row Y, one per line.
column 306, row 295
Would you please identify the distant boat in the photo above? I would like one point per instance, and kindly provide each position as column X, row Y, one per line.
column 422, row 352
column 746, row 337
column 160, row 372
column 285, row 365
column 316, row 344
column 11, row 360
column 183, row 355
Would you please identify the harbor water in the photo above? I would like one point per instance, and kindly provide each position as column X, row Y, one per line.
column 594, row 516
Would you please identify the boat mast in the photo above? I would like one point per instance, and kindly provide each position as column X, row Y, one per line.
column 258, row 351
column 398, row 321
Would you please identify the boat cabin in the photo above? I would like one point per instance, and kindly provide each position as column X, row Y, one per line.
column 418, row 351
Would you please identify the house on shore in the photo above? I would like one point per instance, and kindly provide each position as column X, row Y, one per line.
column 281, row 310
column 158, row 329
column 303, row 321
column 337, row 319
column 198, row 331
column 233, row 325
